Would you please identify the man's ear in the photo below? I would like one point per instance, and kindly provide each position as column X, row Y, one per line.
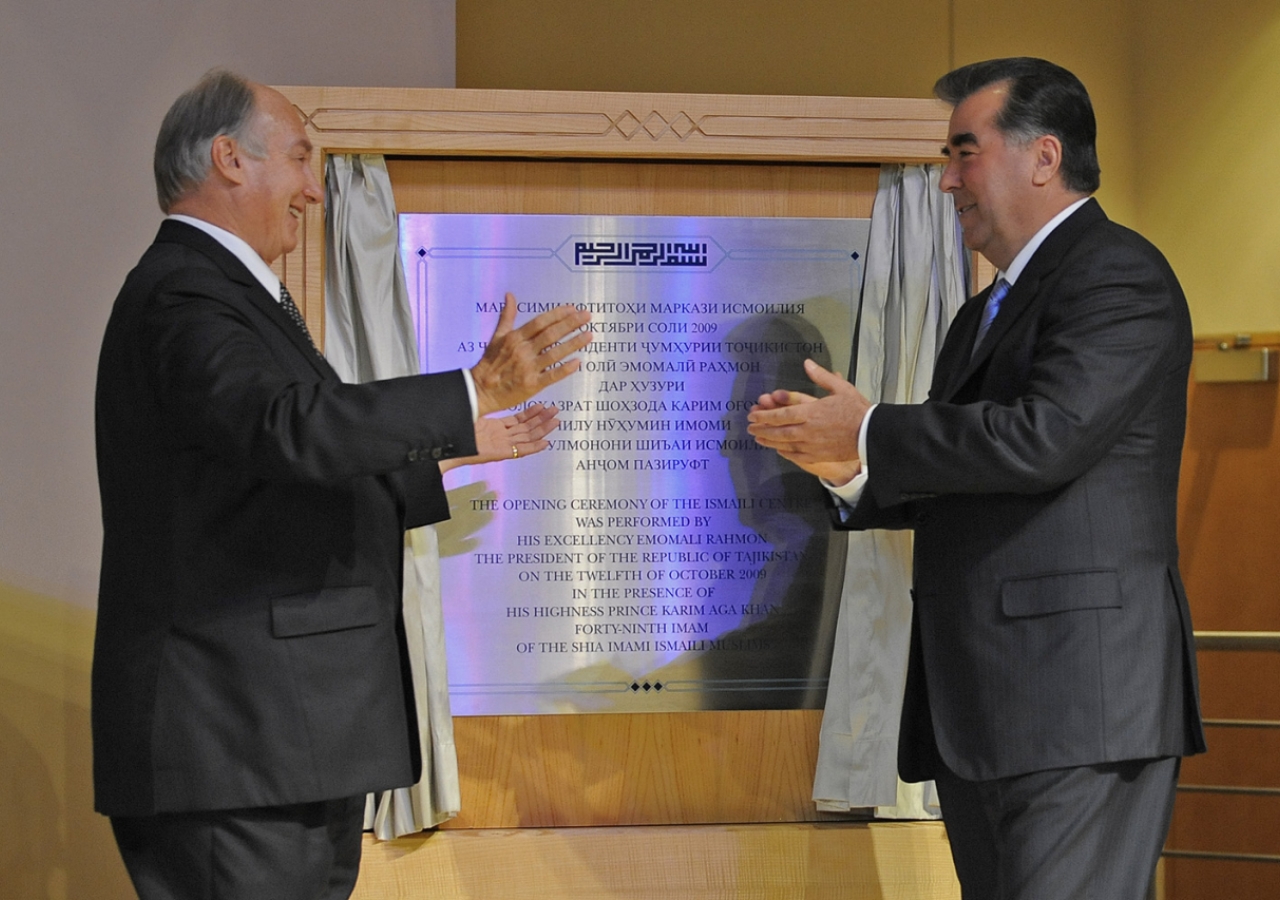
column 1048, row 159
column 227, row 160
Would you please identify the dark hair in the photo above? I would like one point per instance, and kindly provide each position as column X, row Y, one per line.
column 1043, row 99
column 222, row 103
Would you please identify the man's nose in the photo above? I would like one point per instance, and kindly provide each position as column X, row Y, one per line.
column 311, row 190
column 949, row 180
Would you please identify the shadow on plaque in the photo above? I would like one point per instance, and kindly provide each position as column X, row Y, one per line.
column 779, row 656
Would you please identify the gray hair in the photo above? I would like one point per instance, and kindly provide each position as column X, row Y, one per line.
column 221, row 103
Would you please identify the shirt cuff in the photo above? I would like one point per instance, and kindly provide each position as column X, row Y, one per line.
column 849, row 492
column 471, row 393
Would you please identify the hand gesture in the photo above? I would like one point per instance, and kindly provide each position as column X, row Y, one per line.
column 820, row 435
column 520, row 362
column 509, row 437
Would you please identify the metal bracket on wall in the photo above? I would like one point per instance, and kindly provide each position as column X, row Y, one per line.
column 1235, row 361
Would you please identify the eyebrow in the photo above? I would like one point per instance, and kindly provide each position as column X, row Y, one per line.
column 959, row 140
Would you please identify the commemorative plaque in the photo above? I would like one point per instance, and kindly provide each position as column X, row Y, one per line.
column 654, row 558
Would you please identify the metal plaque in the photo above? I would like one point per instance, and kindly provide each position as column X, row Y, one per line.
column 655, row 558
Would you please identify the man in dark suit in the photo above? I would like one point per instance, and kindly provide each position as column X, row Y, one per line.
column 1051, row 687
column 250, row 676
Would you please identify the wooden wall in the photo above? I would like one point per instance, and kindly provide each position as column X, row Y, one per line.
column 1229, row 534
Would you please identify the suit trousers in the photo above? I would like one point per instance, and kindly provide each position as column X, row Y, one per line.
column 307, row 851
column 1087, row 833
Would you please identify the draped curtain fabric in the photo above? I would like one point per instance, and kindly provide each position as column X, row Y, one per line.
column 369, row 335
column 912, row 286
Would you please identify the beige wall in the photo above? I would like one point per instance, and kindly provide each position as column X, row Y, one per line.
column 83, row 86
column 891, row 48
column 1208, row 129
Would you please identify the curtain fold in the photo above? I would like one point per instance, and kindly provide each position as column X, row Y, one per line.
column 369, row 335
column 913, row 284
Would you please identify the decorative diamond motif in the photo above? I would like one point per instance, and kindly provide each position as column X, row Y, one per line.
column 683, row 126
column 656, row 128
column 655, row 125
column 627, row 125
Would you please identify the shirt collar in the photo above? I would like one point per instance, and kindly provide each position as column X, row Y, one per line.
column 1024, row 255
column 240, row 250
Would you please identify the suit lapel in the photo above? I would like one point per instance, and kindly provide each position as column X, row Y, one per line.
column 260, row 297
column 1021, row 297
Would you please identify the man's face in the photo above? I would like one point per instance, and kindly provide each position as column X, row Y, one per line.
column 278, row 187
column 989, row 178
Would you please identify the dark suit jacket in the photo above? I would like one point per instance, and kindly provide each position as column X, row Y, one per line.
column 250, row 646
column 1041, row 477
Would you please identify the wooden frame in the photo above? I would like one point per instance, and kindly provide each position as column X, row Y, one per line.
column 506, row 781
column 564, row 124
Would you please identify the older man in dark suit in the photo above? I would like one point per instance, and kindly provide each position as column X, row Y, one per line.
column 1051, row 688
column 250, row 677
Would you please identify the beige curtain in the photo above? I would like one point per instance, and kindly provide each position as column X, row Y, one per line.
column 369, row 335
column 913, row 285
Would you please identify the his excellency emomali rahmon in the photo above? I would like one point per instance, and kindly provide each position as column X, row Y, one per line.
column 250, row 677
column 1051, row 686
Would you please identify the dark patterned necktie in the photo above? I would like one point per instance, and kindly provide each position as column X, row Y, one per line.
column 990, row 310
column 286, row 300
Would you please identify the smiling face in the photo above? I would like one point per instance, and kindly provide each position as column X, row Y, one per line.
column 277, row 187
column 992, row 179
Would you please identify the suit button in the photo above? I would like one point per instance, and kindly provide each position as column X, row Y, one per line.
column 413, row 456
column 436, row 453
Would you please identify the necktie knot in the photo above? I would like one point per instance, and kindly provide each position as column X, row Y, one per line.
column 989, row 311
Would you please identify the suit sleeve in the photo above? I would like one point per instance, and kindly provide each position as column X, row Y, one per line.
column 425, row 500
column 233, row 388
column 866, row 513
column 1074, row 381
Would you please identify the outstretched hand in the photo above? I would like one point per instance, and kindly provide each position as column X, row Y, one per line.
column 820, row 435
column 509, row 437
column 520, row 362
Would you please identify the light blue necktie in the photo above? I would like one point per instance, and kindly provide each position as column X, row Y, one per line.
column 990, row 310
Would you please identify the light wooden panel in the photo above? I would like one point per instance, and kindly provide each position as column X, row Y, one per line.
column 604, row 125
column 1230, row 506
column 649, row 768
column 429, row 122
column 637, row 189
column 876, row 861
column 652, row 768
column 1217, row 879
